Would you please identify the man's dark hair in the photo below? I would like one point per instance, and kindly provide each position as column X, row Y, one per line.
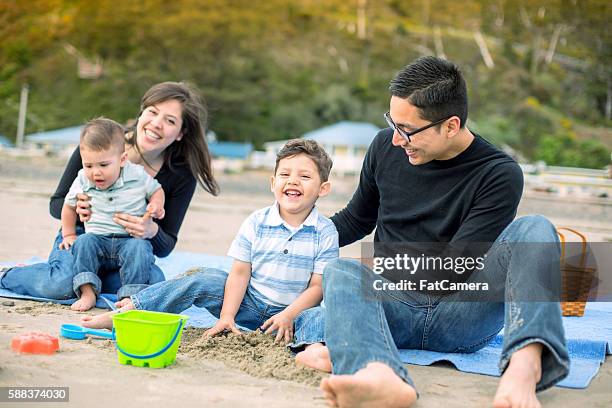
column 433, row 85
column 311, row 149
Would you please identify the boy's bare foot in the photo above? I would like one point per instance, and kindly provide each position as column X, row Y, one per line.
column 87, row 299
column 315, row 356
column 101, row 321
column 104, row 320
column 518, row 383
column 374, row 386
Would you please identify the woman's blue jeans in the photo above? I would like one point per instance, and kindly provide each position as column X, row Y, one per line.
column 206, row 287
column 53, row 279
column 364, row 325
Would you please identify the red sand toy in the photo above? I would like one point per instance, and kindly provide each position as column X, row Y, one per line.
column 35, row 343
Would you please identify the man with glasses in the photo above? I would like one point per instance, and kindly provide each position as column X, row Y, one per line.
column 428, row 178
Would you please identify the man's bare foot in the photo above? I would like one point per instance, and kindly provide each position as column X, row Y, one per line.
column 104, row 320
column 315, row 356
column 87, row 299
column 518, row 383
column 374, row 386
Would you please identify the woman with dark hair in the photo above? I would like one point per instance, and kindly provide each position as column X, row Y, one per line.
column 168, row 140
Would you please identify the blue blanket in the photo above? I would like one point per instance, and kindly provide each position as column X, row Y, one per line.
column 589, row 337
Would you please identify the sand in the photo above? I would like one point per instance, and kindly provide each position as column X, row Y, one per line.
column 96, row 379
column 226, row 371
column 255, row 353
column 38, row 308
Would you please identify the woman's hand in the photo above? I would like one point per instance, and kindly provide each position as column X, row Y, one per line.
column 83, row 207
column 138, row 227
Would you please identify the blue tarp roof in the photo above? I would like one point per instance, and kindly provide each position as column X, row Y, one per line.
column 65, row 136
column 345, row 133
column 5, row 141
column 232, row 150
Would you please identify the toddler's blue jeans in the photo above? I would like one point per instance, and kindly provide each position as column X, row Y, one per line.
column 132, row 257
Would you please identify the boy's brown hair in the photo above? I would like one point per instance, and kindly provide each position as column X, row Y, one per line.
column 102, row 134
column 311, row 149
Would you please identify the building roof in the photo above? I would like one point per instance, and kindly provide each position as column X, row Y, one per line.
column 345, row 133
column 65, row 136
column 71, row 135
column 232, row 150
column 5, row 141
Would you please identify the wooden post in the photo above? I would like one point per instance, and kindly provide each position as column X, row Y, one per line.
column 23, row 107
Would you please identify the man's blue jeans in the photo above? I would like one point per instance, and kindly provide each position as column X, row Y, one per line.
column 133, row 257
column 369, row 327
column 206, row 287
column 53, row 279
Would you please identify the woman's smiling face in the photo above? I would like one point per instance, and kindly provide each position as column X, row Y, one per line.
column 159, row 126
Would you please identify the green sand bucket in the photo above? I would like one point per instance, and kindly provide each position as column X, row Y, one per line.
column 148, row 339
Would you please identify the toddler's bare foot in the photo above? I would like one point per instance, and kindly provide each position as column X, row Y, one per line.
column 315, row 356
column 86, row 301
column 104, row 320
column 518, row 384
column 123, row 302
column 374, row 386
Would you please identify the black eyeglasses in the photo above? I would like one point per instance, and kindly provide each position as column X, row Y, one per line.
column 407, row 135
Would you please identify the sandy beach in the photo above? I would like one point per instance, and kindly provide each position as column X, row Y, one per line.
column 90, row 367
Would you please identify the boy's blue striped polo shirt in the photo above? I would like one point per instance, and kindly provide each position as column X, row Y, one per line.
column 283, row 257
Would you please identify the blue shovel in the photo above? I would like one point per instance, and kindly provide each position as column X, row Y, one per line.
column 74, row 332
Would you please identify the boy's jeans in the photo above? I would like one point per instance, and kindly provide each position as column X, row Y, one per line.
column 369, row 327
column 53, row 279
column 205, row 288
column 133, row 257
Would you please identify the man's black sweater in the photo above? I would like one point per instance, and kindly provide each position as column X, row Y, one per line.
column 469, row 198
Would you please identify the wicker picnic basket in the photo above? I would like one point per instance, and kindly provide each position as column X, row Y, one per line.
column 576, row 280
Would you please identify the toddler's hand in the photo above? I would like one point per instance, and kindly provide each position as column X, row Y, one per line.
column 221, row 326
column 283, row 324
column 67, row 241
column 155, row 212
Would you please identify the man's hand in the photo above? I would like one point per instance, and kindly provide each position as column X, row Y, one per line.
column 67, row 241
column 222, row 325
column 283, row 324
